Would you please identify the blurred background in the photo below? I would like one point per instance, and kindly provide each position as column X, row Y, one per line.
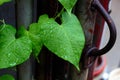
column 113, row 56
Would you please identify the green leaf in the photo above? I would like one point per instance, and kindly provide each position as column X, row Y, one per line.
column 68, row 4
column 4, row 1
column 65, row 40
column 22, row 32
column 13, row 51
column 7, row 77
column 34, row 34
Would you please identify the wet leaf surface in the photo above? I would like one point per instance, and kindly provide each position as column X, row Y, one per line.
column 68, row 4
column 65, row 40
column 13, row 51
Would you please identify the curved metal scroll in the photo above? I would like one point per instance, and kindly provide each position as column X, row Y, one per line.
column 95, row 52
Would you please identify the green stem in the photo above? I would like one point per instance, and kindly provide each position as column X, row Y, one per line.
column 59, row 14
column 2, row 21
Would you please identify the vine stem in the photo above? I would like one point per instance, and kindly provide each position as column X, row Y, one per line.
column 59, row 14
column 2, row 21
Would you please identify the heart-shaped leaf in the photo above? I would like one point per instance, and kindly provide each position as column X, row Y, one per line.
column 68, row 4
column 65, row 40
column 7, row 77
column 13, row 51
column 3, row 1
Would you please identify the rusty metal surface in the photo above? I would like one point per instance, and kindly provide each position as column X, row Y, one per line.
column 112, row 28
column 87, row 19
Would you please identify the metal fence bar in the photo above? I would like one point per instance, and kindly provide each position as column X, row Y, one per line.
column 24, row 13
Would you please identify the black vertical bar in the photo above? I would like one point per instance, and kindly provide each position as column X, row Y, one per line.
column 24, row 13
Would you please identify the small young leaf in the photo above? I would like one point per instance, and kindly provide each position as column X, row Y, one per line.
column 65, row 40
column 4, row 1
column 68, row 4
column 22, row 32
column 34, row 34
column 13, row 51
column 7, row 77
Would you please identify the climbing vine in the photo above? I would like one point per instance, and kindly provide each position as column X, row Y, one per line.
column 66, row 40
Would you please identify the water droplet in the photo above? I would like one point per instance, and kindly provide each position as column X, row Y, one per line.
column 65, row 57
column 48, row 22
column 9, row 55
column 12, row 64
column 17, row 60
column 51, row 31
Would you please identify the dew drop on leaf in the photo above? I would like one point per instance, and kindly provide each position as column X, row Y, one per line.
column 12, row 64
